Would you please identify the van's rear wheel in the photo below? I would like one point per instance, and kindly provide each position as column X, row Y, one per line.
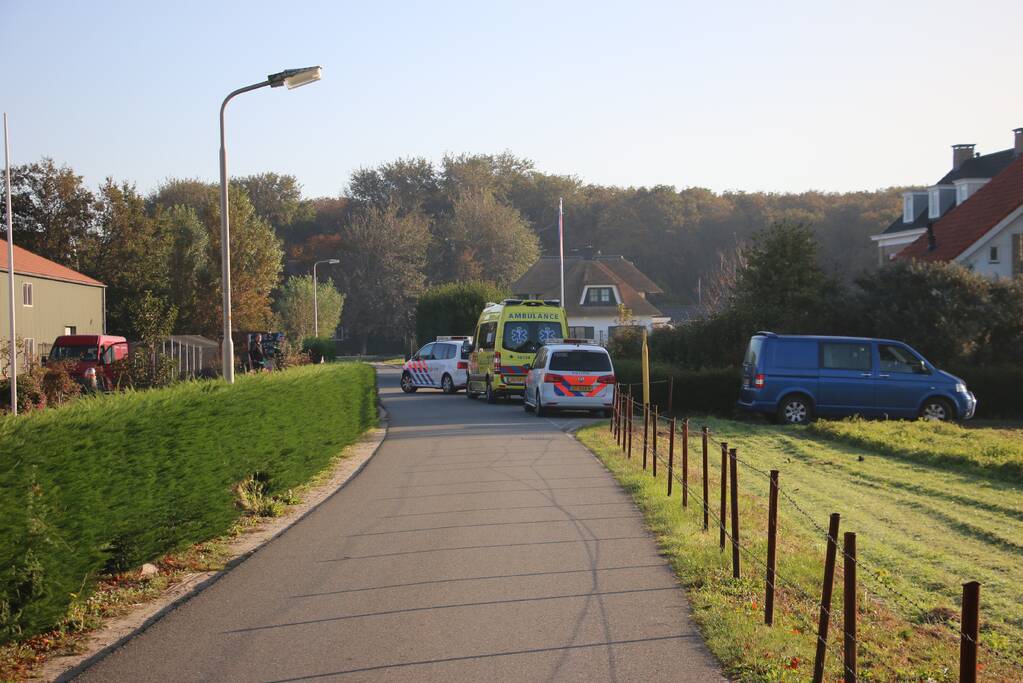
column 937, row 409
column 795, row 410
column 540, row 410
column 446, row 385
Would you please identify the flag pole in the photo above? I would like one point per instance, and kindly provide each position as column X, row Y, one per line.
column 10, row 271
column 561, row 245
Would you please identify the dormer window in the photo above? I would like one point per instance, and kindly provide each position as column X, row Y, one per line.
column 934, row 204
column 600, row 296
column 907, row 209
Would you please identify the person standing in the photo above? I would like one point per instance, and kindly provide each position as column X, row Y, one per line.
column 257, row 358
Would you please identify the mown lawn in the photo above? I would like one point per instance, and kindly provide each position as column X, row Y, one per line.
column 922, row 530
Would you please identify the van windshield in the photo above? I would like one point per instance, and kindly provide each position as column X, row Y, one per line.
column 86, row 353
column 580, row 361
column 528, row 336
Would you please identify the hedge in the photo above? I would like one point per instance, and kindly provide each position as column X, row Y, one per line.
column 710, row 391
column 997, row 389
column 110, row 482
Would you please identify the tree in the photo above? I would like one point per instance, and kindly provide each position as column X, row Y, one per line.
column 294, row 306
column 190, row 259
column 277, row 199
column 54, row 213
column 152, row 318
column 256, row 256
column 483, row 239
column 408, row 185
column 131, row 251
column 382, row 259
column 782, row 287
column 454, row 308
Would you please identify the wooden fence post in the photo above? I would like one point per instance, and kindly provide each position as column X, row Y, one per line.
column 735, row 512
column 724, row 491
column 629, row 422
column 653, row 426
column 829, row 584
column 671, row 457
column 614, row 402
column 646, row 430
column 849, row 606
column 772, row 539
column 968, row 638
column 685, row 461
column 706, row 484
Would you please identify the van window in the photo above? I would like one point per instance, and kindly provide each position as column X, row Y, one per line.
column 527, row 336
column 444, row 351
column 756, row 345
column 836, row 356
column 487, row 335
column 580, row 361
column 795, row 354
column 85, row 353
column 898, row 359
column 426, row 353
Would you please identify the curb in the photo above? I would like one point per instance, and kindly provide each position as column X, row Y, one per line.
column 194, row 585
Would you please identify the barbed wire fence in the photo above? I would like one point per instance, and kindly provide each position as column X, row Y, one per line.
column 854, row 567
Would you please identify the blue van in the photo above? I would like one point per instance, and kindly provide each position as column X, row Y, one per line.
column 796, row 378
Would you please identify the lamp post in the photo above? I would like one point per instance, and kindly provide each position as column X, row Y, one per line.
column 316, row 309
column 292, row 78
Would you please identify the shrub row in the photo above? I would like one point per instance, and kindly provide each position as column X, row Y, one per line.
column 712, row 390
column 109, row 482
column 997, row 389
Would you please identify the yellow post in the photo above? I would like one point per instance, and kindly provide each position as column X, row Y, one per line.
column 646, row 371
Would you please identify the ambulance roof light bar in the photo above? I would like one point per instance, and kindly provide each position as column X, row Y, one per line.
column 455, row 337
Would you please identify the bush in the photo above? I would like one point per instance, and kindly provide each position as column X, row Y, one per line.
column 453, row 308
column 713, row 390
column 143, row 369
column 997, row 389
column 319, row 347
column 116, row 480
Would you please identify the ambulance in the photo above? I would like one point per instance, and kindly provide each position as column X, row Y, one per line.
column 508, row 335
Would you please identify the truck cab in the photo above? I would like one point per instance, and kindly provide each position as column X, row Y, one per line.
column 89, row 355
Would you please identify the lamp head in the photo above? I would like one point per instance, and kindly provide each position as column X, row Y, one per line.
column 333, row 261
column 295, row 78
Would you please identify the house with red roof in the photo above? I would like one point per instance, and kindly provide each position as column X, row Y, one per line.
column 972, row 216
column 49, row 300
column 595, row 287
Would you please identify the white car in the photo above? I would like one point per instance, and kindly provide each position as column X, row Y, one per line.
column 443, row 364
column 570, row 375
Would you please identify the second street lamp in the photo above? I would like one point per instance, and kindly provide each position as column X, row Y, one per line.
column 292, row 78
column 316, row 308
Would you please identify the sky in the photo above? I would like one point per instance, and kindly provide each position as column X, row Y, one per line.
column 728, row 95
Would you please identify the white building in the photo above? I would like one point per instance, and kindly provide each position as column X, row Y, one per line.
column 924, row 208
column 595, row 288
column 984, row 228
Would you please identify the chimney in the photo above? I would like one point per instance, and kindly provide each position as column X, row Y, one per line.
column 960, row 154
column 1018, row 147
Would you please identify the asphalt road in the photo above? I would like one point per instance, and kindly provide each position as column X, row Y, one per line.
column 479, row 543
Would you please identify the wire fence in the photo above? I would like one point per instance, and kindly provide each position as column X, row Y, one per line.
column 624, row 429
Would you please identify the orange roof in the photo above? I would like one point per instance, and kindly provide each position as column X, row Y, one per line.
column 27, row 263
column 960, row 228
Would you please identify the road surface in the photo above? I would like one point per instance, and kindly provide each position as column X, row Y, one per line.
column 479, row 543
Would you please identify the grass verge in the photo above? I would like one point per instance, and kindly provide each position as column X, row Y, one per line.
column 108, row 483
column 986, row 451
column 921, row 532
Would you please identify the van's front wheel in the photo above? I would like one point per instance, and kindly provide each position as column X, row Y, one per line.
column 937, row 409
column 795, row 410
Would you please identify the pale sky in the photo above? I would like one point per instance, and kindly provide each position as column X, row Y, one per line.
column 778, row 96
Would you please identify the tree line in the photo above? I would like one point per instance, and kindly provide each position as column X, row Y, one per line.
column 399, row 228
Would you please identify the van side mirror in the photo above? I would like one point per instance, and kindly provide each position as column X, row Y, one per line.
column 922, row 369
column 468, row 347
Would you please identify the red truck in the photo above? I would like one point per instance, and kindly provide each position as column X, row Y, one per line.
column 93, row 353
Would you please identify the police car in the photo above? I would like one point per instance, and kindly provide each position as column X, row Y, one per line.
column 570, row 374
column 442, row 364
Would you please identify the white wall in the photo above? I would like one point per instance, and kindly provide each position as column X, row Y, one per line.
column 600, row 325
column 978, row 260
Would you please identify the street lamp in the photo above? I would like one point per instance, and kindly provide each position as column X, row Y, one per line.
column 316, row 309
column 292, row 78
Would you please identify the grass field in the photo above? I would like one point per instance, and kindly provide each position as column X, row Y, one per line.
column 922, row 530
column 107, row 483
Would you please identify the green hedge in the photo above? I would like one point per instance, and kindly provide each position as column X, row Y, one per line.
column 114, row 481
column 997, row 388
column 711, row 391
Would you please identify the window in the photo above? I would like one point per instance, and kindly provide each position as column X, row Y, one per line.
column 83, row 352
column 899, row 359
column 580, row 332
column 26, row 294
column 962, row 193
column 109, row 355
column 600, row 296
column 527, row 336
column 845, row 357
column 935, row 204
column 907, row 209
column 69, row 330
column 541, row 358
column 30, row 351
column 426, row 353
column 444, row 351
column 992, row 255
column 487, row 335
column 580, row 361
